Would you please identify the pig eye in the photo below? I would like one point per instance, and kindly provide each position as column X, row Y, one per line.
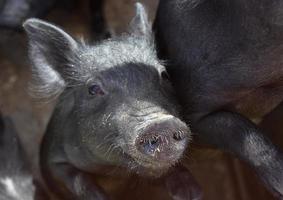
column 165, row 76
column 95, row 90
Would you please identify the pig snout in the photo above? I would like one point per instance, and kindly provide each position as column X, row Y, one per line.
column 163, row 141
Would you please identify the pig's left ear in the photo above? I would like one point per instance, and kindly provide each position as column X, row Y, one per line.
column 49, row 45
column 140, row 25
column 52, row 53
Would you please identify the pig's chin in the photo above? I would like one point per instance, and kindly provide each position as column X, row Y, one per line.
column 152, row 172
column 151, row 169
column 147, row 167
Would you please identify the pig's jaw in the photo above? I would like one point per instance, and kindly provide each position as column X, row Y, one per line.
column 148, row 168
column 151, row 170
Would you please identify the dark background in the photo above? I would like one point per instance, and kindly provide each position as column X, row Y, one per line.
column 221, row 176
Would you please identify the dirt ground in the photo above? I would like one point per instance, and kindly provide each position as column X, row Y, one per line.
column 221, row 176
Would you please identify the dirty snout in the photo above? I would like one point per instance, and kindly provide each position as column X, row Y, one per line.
column 163, row 141
column 159, row 144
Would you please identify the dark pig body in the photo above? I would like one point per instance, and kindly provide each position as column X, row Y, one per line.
column 225, row 62
column 16, row 179
column 14, row 12
column 115, row 112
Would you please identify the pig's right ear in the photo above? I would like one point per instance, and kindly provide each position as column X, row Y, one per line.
column 51, row 51
column 140, row 25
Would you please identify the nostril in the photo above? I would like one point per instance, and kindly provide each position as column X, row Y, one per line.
column 149, row 145
column 151, row 140
column 178, row 136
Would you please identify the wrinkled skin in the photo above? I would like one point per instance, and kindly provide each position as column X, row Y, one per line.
column 225, row 62
column 16, row 180
column 115, row 108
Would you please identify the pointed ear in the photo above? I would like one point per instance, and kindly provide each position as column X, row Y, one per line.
column 140, row 25
column 49, row 44
column 51, row 51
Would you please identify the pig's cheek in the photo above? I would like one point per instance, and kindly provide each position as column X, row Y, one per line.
column 181, row 185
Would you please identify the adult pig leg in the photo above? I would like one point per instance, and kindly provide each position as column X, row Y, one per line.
column 235, row 134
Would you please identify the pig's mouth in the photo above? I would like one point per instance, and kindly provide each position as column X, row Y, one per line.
column 149, row 168
column 152, row 170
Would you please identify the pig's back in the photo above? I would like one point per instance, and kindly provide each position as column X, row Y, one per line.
column 218, row 58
